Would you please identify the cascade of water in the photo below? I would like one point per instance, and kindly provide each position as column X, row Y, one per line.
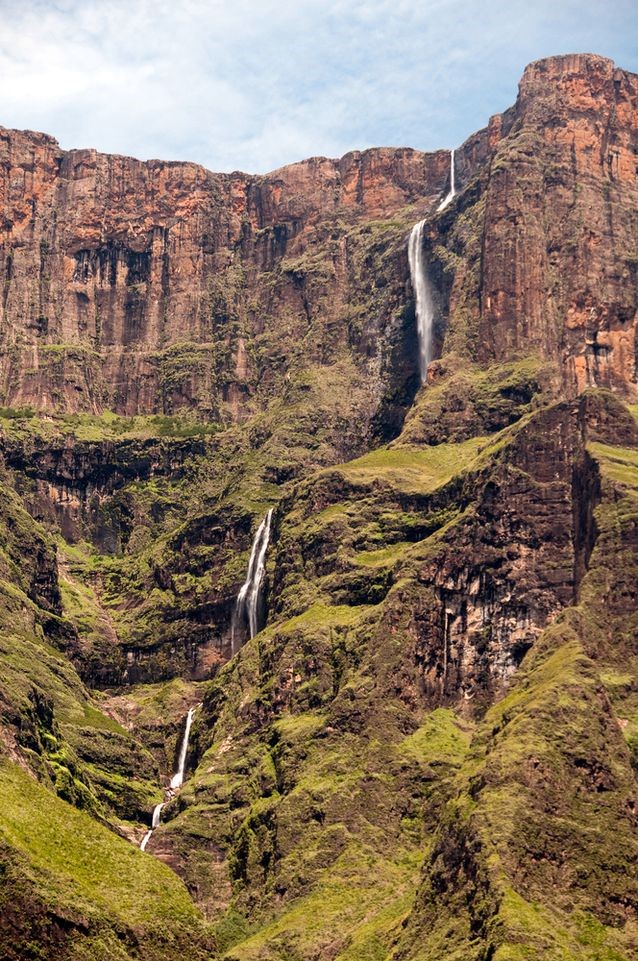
column 452, row 193
column 249, row 597
column 157, row 810
column 424, row 303
column 178, row 778
column 176, row 781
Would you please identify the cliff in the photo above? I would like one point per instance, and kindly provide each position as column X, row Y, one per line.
column 145, row 287
column 559, row 268
column 429, row 750
column 149, row 287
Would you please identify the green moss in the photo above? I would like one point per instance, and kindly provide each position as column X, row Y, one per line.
column 232, row 928
column 319, row 615
column 412, row 469
column 72, row 351
column 529, row 804
column 469, row 400
column 23, row 424
column 383, row 556
column 80, row 866
column 440, row 739
column 299, row 727
column 340, row 905
column 619, row 463
column 17, row 413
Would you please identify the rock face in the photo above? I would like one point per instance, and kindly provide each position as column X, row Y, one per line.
column 430, row 750
column 139, row 286
column 145, row 287
column 560, row 222
column 557, row 214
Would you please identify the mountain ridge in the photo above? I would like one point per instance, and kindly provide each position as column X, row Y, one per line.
column 429, row 748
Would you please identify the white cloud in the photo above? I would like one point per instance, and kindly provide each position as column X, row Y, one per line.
column 254, row 84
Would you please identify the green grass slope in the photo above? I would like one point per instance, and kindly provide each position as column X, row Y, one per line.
column 73, row 889
column 536, row 853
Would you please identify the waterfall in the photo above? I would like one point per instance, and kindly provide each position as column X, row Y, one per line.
column 424, row 303
column 249, row 597
column 157, row 810
column 176, row 781
column 448, row 199
column 178, row 778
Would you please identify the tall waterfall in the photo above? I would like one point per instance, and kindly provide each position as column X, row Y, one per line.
column 250, row 595
column 176, row 781
column 423, row 297
column 450, row 196
column 178, row 778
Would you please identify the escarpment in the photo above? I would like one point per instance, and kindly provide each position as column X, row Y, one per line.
column 340, row 630
column 150, row 287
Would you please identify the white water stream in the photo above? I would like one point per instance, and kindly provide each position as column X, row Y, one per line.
column 249, row 597
column 421, row 284
column 176, row 781
column 157, row 810
column 452, row 193
column 424, row 303
column 178, row 778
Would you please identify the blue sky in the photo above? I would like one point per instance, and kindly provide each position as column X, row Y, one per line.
column 254, row 84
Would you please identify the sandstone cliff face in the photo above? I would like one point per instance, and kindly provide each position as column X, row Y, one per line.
column 145, row 287
column 557, row 212
column 140, row 287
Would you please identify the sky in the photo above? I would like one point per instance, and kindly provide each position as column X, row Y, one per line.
column 255, row 84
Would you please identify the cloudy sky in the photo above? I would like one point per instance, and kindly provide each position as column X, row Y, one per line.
column 254, row 84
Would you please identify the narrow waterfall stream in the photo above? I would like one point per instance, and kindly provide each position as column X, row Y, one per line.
column 424, row 303
column 422, row 285
column 157, row 811
column 176, row 781
column 178, row 778
column 247, row 607
column 452, row 192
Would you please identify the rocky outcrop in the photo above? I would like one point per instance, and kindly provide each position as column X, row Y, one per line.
column 557, row 210
column 551, row 794
column 496, row 555
column 75, row 481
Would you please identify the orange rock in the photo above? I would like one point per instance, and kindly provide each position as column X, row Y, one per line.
column 124, row 282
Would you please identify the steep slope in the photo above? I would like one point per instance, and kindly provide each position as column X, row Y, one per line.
column 70, row 885
column 429, row 751
column 351, row 716
column 72, row 889
column 536, row 851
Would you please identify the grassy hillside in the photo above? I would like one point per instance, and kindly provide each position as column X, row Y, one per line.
column 73, row 889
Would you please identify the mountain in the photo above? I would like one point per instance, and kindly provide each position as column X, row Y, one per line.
column 210, row 388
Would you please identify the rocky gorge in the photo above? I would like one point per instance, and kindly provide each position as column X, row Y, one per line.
column 420, row 739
